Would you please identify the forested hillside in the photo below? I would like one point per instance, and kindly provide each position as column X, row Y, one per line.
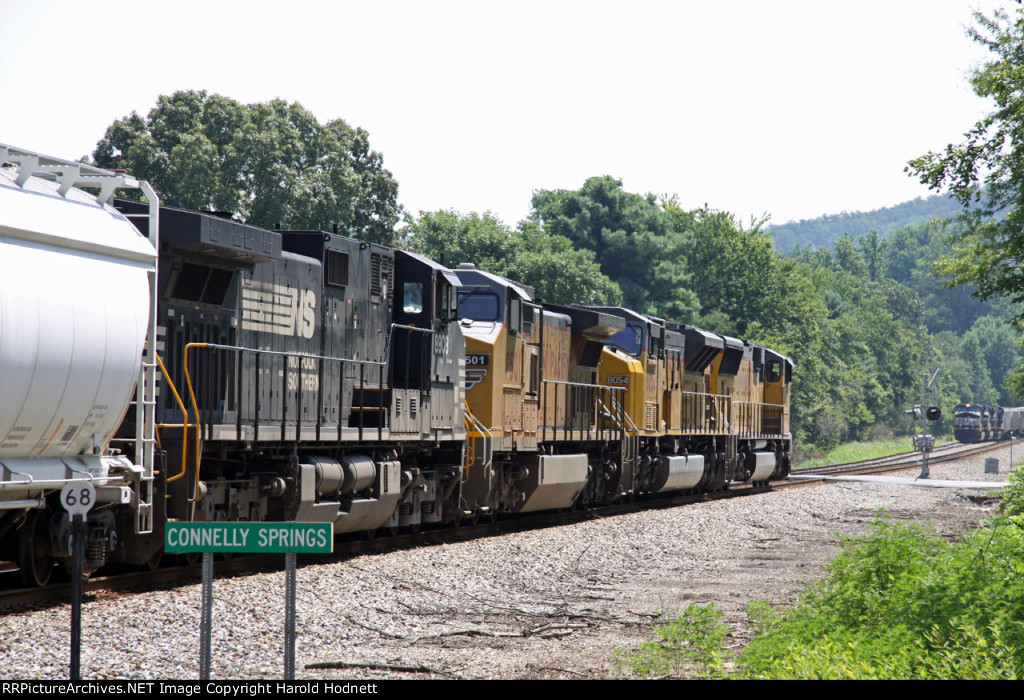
column 824, row 231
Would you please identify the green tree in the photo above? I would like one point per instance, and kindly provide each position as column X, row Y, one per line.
column 735, row 272
column 998, row 352
column 634, row 241
column 268, row 163
column 873, row 249
column 558, row 272
column 985, row 173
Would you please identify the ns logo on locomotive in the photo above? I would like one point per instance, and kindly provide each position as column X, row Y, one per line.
column 195, row 369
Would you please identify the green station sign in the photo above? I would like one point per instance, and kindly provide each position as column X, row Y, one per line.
column 248, row 538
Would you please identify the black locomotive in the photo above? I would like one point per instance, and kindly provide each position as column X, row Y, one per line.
column 308, row 376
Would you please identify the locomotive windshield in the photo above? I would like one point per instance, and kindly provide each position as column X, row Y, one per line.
column 479, row 306
column 631, row 339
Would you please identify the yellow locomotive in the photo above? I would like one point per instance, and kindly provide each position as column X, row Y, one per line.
column 582, row 405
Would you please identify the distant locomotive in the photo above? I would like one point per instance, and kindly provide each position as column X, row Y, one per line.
column 195, row 368
column 976, row 422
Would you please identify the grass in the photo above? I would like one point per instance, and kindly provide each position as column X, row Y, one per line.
column 855, row 451
column 687, row 644
column 902, row 602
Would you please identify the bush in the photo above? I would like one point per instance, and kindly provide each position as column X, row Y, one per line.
column 902, row 603
column 692, row 640
column 1013, row 495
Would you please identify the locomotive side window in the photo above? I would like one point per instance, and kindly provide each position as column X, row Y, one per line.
column 412, row 298
column 774, row 371
column 444, row 302
column 528, row 320
column 336, row 269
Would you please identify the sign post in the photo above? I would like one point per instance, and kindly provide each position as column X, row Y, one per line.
column 289, row 538
column 78, row 499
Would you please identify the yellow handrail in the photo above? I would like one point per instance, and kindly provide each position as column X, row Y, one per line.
column 184, row 412
column 195, row 407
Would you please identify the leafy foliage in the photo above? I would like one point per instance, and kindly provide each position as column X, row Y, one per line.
column 269, row 163
column 693, row 640
column 549, row 263
column 901, row 602
column 985, row 173
column 633, row 240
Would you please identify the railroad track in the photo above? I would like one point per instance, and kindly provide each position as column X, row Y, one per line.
column 14, row 598
column 945, row 453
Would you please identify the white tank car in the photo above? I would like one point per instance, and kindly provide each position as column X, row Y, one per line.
column 75, row 311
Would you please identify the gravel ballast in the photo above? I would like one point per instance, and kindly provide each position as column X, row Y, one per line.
column 552, row 603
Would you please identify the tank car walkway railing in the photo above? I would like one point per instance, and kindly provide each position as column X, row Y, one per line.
column 581, row 408
column 770, row 422
column 703, row 413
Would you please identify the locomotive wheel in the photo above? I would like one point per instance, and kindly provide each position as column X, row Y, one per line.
column 34, row 556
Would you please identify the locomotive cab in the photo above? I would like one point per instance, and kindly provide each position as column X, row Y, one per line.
column 427, row 359
column 634, row 358
column 967, row 422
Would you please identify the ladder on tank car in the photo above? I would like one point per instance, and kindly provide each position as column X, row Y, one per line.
column 69, row 175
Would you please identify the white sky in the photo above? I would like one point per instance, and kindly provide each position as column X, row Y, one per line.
column 794, row 108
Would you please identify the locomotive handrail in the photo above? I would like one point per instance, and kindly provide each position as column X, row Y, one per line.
column 777, row 412
column 627, row 425
column 473, row 423
column 596, row 389
column 715, row 399
column 584, row 384
column 629, row 435
column 184, row 411
column 275, row 353
column 311, row 356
